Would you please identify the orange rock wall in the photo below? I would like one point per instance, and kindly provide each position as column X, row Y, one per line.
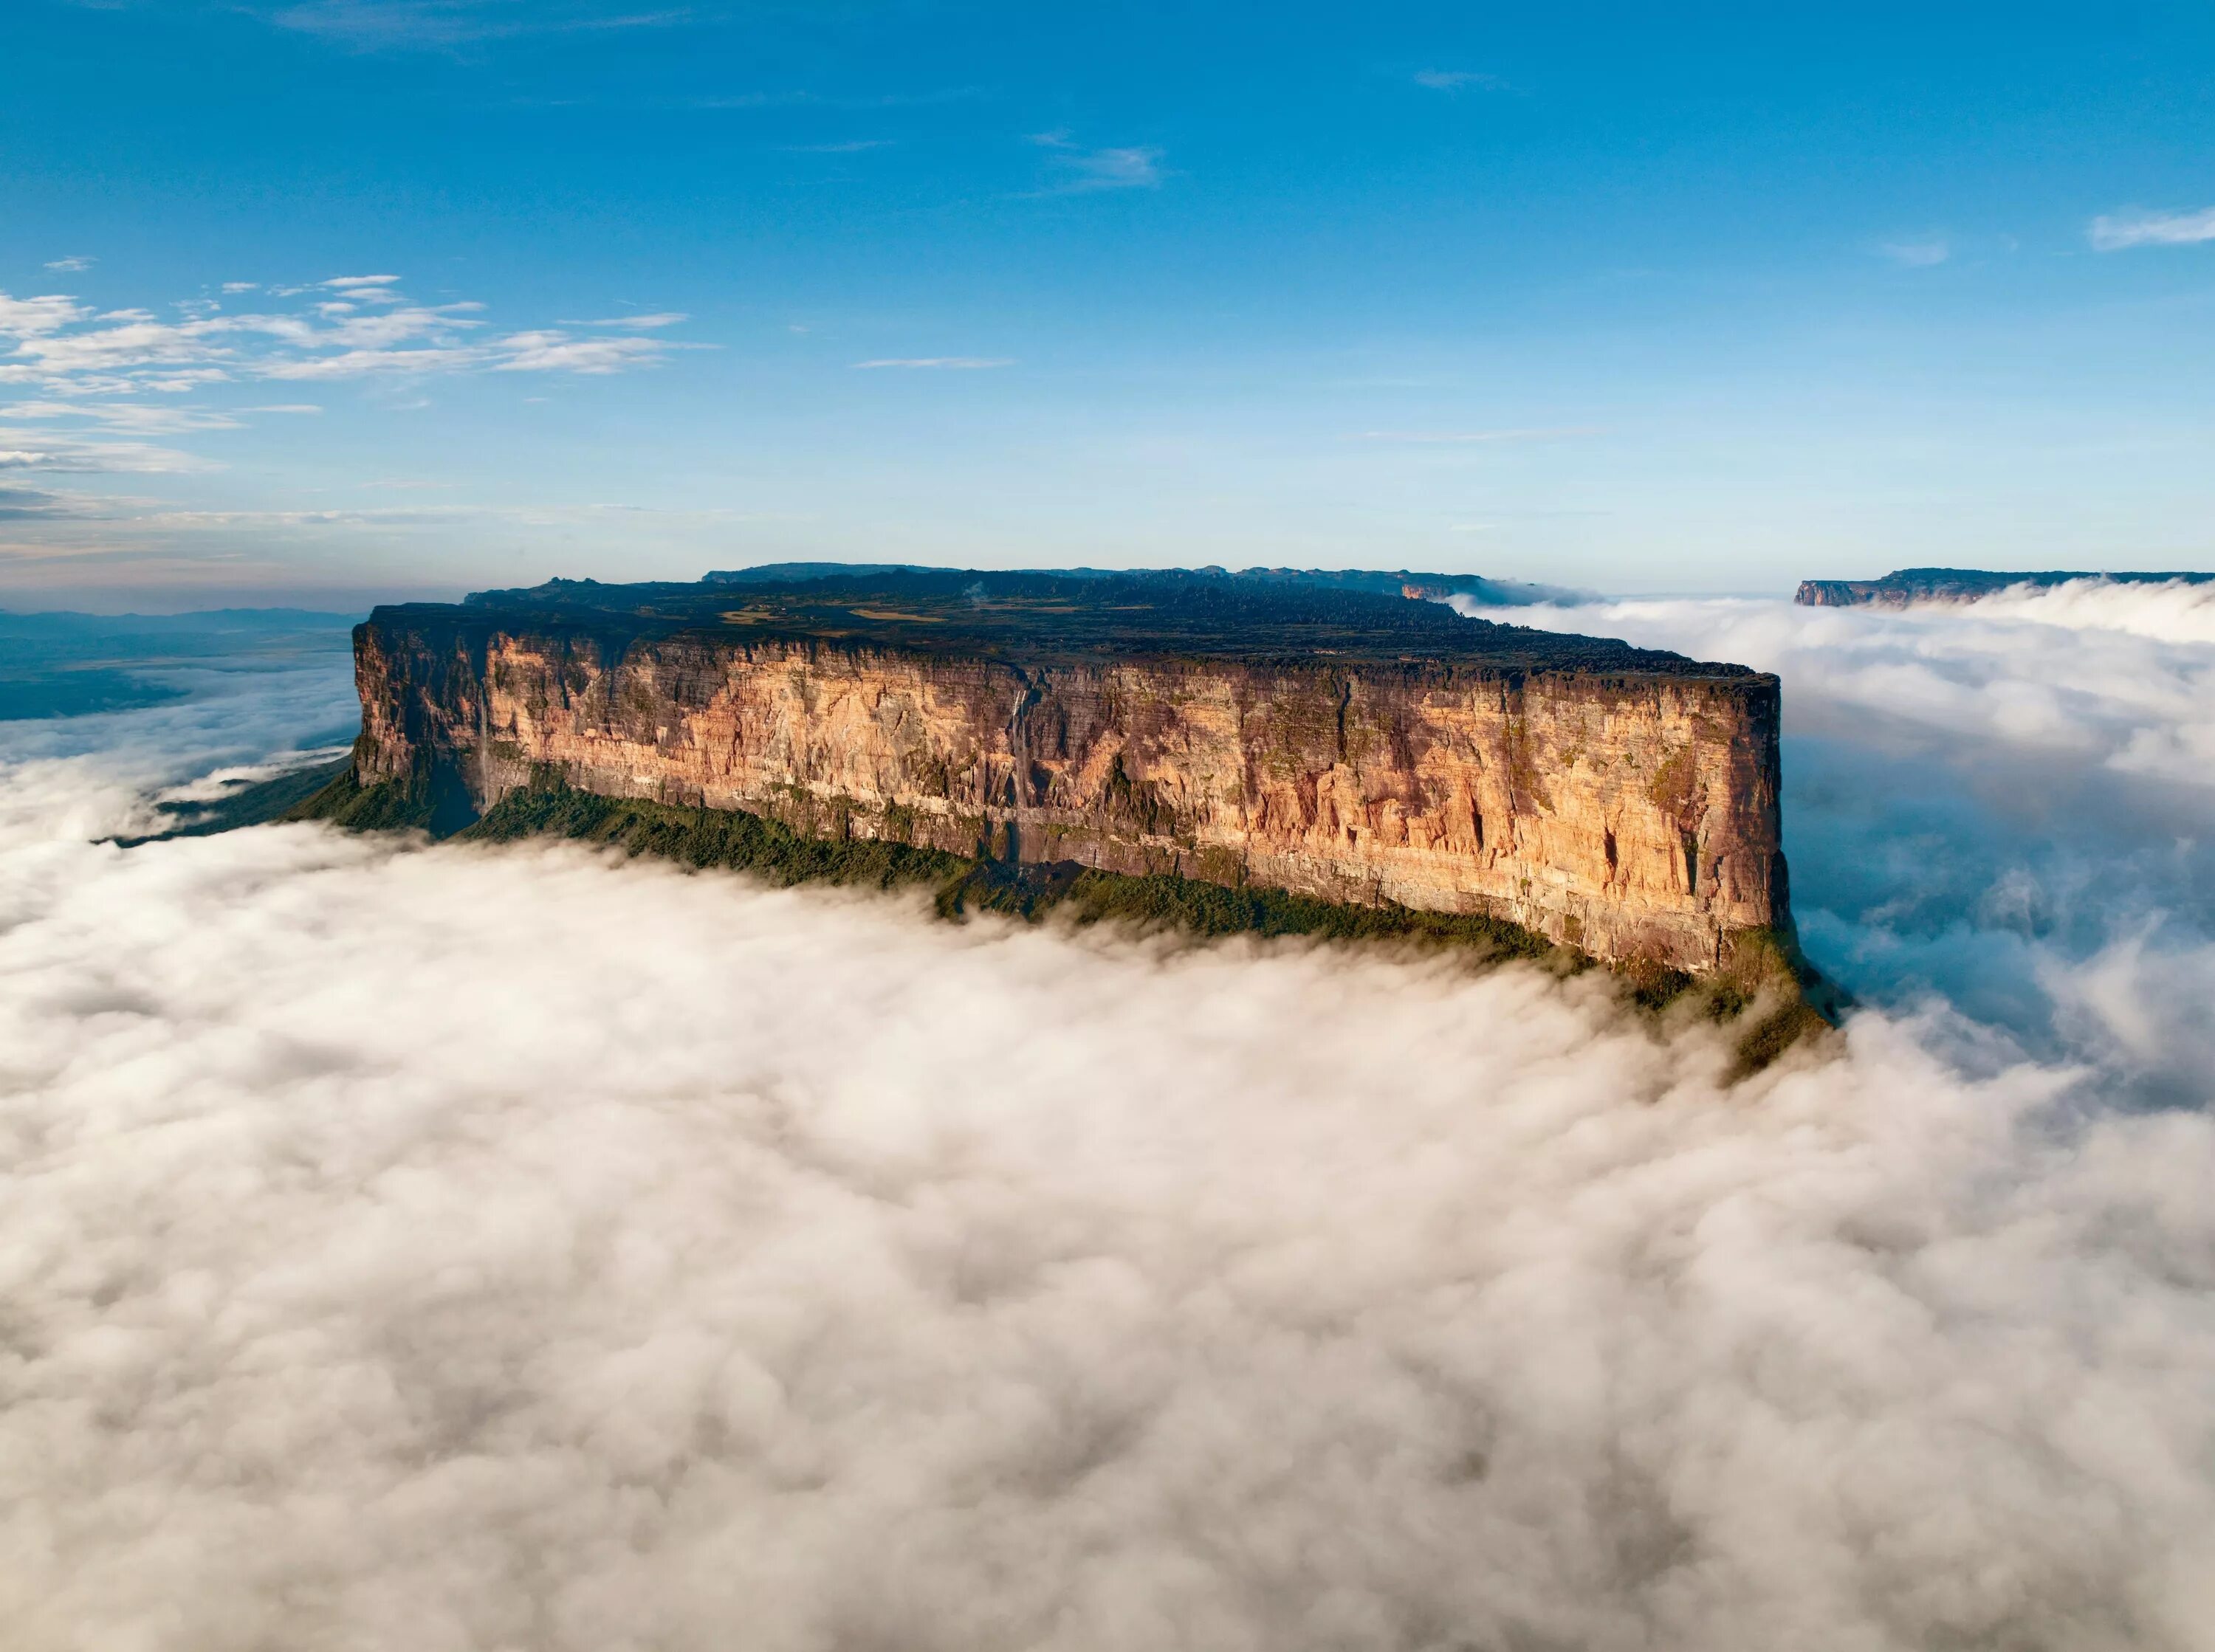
column 1633, row 815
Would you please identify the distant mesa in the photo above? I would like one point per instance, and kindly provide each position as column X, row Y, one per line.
column 1911, row 585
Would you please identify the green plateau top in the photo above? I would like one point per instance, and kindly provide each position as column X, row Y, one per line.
column 1040, row 618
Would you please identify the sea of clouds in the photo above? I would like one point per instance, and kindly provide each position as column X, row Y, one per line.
column 460, row 1248
column 2008, row 805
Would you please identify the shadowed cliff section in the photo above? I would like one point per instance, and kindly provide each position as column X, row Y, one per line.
column 1907, row 586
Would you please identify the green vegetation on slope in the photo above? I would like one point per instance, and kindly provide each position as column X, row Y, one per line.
column 725, row 838
column 1165, row 901
column 426, row 801
column 251, row 805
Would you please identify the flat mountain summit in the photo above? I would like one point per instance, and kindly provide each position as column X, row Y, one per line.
column 1047, row 616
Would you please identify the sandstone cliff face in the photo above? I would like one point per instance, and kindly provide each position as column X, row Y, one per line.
column 1632, row 816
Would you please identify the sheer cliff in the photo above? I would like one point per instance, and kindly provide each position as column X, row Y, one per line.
column 1359, row 747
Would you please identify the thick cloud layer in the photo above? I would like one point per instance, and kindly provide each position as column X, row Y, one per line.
column 2118, row 677
column 440, row 1249
column 1999, row 803
column 65, row 780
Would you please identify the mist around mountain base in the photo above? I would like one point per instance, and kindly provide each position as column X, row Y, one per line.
column 445, row 1247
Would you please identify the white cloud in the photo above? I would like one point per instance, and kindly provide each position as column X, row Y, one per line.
column 361, row 363
column 447, row 1248
column 36, row 504
column 1134, row 167
column 2139, row 227
column 2065, row 673
column 1919, row 254
column 140, row 418
column 40, row 449
column 637, row 323
column 1545, row 433
column 73, row 265
column 22, row 318
column 552, row 351
column 240, row 286
column 371, row 25
column 365, row 289
column 285, row 407
column 1457, row 80
column 66, row 349
column 957, row 363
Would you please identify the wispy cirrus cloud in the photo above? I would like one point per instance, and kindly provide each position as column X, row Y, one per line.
column 956, row 363
column 1918, row 253
column 851, row 146
column 73, row 350
column 41, row 449
column 1457, row 80
column 2136, row 227
column 358, row 289
column 1536, row 433
column 796, row 98
column 553, row 352
column 646, row 323
column 1082, row 169
column 74, row 265
column 35, row 505
column 386, row 25
column 93, row 367
column 136, row 418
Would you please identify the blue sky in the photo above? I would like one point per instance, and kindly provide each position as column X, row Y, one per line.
column 1716, row 299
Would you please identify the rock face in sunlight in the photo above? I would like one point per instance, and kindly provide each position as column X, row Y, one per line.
column 1359, row 747
column 1910, row 585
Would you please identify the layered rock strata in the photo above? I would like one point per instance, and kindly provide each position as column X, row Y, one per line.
column 1357, row 747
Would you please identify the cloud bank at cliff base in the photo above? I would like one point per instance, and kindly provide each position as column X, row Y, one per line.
column 1996, row 803
column 448, row 1248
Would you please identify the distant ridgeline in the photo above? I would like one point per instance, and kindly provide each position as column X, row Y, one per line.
column 65, row 664
column 1911, row 585
column 1435, row 587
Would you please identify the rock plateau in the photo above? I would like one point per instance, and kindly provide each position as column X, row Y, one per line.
column 1305, row 735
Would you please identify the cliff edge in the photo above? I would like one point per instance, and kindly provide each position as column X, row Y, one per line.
column 1337, row 743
